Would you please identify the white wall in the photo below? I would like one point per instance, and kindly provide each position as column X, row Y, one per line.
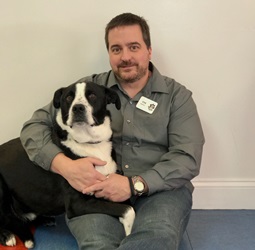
column 206, row 45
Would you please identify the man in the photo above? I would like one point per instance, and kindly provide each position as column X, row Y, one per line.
column 158, row 144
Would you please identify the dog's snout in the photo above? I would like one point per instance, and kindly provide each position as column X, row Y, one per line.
column 78, row 113
column 78, row 108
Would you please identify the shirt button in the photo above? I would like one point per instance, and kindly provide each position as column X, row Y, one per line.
column 128, row 121
column 131, row 102
column 127, row 143
column 126, row 166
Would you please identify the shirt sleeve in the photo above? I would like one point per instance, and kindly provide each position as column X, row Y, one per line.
column 36, row 137
column 182, row 161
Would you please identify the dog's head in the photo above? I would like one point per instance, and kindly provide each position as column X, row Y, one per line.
column 84, row 102
column 83, row 110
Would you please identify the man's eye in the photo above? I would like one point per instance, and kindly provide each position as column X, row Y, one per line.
column 115, row 50
column 134, row 48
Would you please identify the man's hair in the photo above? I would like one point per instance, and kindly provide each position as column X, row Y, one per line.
column 128, row 19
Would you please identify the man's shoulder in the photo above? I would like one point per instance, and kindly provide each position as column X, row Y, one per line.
column 164, row 83
column 173, row 86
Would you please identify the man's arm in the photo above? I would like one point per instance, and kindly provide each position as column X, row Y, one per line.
column 185, row 135
column 36, row 137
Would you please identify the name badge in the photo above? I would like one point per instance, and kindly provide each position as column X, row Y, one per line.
column 146, row 105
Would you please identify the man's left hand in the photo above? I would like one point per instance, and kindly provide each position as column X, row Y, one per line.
column 115, row 188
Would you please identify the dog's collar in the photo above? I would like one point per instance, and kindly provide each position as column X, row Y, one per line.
column 88, row 142
column 93, row 142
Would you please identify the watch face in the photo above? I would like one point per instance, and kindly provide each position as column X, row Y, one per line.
column 139, row 186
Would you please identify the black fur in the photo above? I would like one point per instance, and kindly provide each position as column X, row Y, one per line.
column 26, row 188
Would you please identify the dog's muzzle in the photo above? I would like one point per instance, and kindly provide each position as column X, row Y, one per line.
column 79, row 112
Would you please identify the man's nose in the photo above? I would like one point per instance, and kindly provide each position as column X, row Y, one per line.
column 125, row 55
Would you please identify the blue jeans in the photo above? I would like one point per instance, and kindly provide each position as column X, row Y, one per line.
column 161, row 220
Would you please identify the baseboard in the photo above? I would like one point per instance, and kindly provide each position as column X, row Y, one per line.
column 224, row 194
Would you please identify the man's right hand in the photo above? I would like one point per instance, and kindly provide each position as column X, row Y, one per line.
column 79, row 173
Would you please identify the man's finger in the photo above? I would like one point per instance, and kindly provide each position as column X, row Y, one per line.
column 97, row 162
column 92, row 189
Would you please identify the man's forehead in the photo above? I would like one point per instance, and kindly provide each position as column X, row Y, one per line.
column 127, row 35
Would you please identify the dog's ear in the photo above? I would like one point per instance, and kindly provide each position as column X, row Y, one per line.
column 57, row 97
column 112, row 97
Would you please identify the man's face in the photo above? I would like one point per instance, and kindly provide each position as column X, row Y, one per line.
column 128, row 53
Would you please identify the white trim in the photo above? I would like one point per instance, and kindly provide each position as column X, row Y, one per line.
column 224, row 194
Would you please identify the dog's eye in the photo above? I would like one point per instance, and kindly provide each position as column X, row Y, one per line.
column 92, row 97
column 69, row 99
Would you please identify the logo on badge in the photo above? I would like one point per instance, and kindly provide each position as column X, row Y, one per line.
column 151, row 107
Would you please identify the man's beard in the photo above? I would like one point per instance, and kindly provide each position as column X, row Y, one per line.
column 125, row 77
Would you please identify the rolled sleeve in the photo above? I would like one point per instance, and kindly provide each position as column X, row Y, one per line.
column 36, row 137
column 46, row 155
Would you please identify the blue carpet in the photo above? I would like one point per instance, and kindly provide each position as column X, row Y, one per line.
column 222, row 230
column 55, row 237
column 185, row 243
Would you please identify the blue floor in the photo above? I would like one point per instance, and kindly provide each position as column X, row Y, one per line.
column 207, row 230
column 55, row 237
column 220, row 230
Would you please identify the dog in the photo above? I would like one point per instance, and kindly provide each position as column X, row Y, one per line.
column 29, row 193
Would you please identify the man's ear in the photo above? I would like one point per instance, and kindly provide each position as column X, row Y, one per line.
column 57, row 97
column 113, row 97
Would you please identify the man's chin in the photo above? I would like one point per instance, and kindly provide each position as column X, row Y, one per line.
column 127, row 79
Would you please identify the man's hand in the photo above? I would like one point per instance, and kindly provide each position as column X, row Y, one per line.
column 79, row 173
column 114, row 188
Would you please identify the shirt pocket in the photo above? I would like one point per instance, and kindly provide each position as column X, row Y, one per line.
column 153, row 128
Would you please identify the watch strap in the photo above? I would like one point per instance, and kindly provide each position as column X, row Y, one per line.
column 131, row 184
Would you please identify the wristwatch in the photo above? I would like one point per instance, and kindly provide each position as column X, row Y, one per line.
column 139, row 186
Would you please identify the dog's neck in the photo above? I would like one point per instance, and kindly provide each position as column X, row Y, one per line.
column 86, row 133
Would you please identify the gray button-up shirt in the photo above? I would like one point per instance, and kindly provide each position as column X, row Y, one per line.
column 164, row 147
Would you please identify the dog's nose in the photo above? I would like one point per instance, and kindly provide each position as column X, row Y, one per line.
column 78, row 108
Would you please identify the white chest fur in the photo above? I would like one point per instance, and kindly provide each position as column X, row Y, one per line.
column 101, row 150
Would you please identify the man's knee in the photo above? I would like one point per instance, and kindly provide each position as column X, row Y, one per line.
column 97, row 231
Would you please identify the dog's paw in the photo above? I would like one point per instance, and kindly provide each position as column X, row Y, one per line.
column 7, row 238
column 127, row 220
column 11, row 241
column 29, row 244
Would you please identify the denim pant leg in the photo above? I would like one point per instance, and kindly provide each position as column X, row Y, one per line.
column 96, row 231
column 161, row 220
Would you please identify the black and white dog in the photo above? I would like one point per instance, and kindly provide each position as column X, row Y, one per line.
column 28, row 192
